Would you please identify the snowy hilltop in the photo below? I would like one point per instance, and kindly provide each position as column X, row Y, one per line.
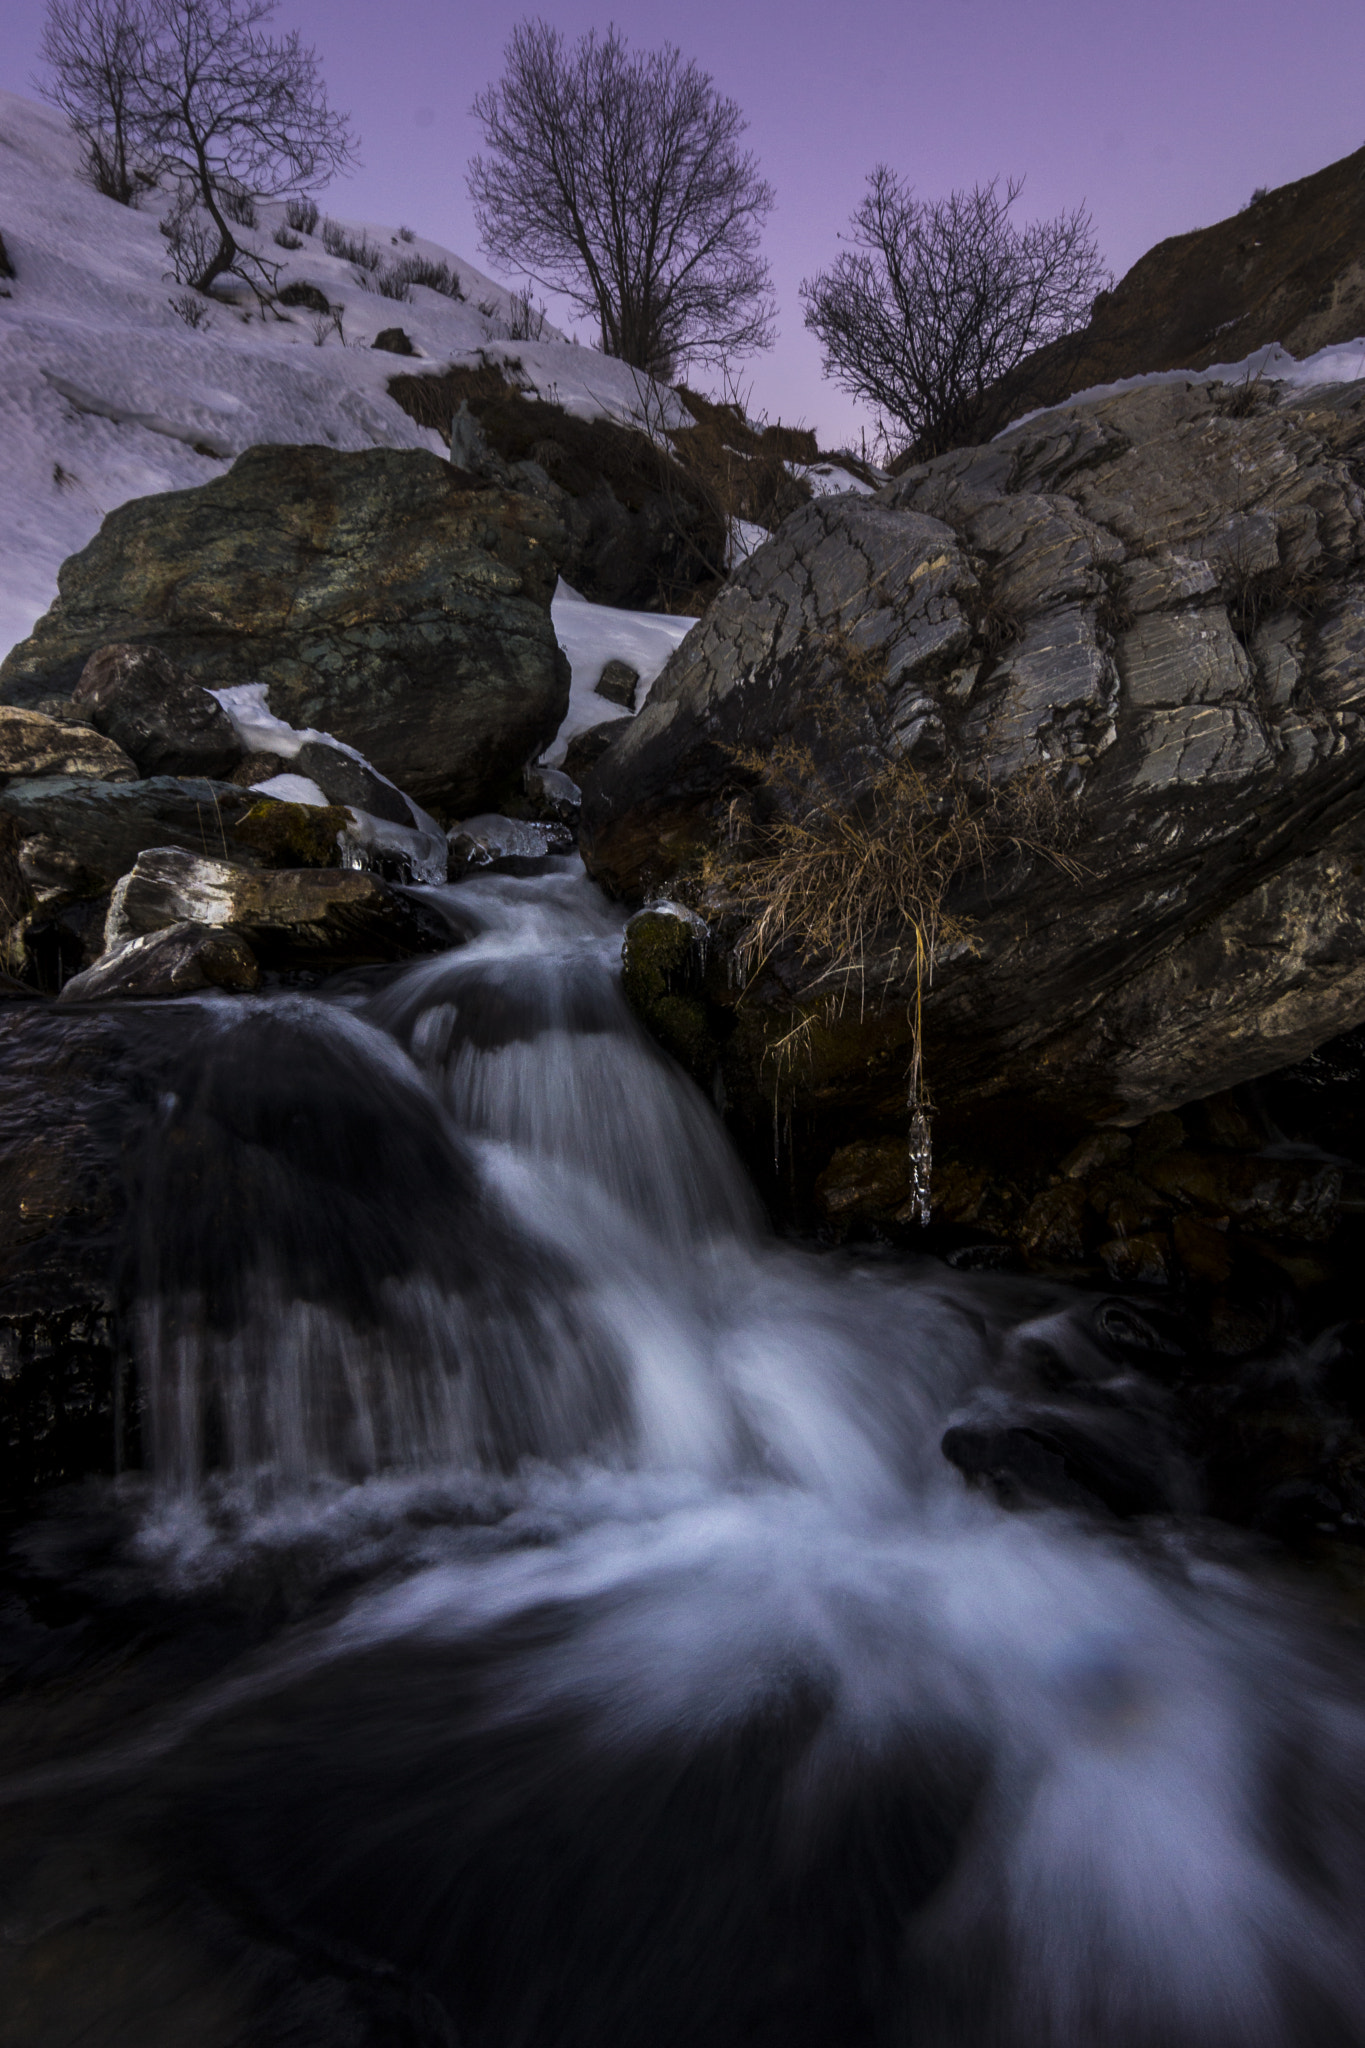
column 107, row 394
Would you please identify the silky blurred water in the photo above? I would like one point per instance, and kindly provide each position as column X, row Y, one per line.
column 647, row 1674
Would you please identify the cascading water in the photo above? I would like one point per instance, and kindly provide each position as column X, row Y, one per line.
column 660, row 1681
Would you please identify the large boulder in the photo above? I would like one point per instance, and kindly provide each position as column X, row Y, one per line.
column 1144, row 617
column 382, row 596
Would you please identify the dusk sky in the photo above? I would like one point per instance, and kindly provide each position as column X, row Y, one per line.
column 1162, row 116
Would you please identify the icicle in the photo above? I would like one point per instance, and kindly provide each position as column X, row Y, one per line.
column 921, row 1152
column 919, row 1143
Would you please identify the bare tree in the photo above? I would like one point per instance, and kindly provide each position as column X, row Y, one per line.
column 96, row 53
column 198, row 90
column 938, row 299
column 229, row 109
column 619, row 181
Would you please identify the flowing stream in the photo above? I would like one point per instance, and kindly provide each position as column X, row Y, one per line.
column 581, row 1639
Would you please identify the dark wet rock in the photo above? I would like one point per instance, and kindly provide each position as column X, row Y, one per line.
column 1053, row 1226
column 1146, row 606
column 618, row 683
column 586, row 749
column 32, row 744
column 1090, row 1458
column 160, row 716
column 254, row 768
column 663, row 975
column 344, row 780
column 181, row 960
column 301, row 917
column 70, row 1093
column 290, row 835
column 394, row 341
column 76, row 836
column 379, row 596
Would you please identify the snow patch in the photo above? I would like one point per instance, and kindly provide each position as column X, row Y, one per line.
column 1343, row 362
column 591, row 635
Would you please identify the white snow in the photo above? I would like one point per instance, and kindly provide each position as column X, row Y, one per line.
column 591, row 636
column 830, row 479
column 106, row 394
column 744, row 537
column 1341, row 363
column 293, row 789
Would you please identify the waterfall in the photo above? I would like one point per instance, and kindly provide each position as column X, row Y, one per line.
column 681, row 1691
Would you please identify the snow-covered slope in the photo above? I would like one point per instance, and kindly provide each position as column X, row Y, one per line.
column 106, row 394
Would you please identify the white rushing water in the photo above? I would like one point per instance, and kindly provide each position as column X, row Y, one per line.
column 665, row 1580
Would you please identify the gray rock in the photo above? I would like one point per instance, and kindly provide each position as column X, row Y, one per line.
column 160, row 716
column 586, row 749
column 182, row 960
column 1153, row 608
column 78, row 835
column 310, row 917
column 344, row 780
column 382, row 597
column 33, row 744
column 618, row 683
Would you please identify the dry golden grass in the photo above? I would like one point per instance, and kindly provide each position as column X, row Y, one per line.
column 845, row 862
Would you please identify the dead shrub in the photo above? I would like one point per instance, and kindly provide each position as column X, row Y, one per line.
column 843, row 858
column 301, row 214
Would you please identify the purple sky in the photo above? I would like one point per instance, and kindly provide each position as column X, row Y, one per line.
column 1163, row 115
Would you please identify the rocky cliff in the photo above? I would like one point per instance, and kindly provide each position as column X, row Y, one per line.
column 1289, row 268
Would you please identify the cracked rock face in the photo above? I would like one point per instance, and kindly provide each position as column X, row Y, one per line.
column 1156, row 603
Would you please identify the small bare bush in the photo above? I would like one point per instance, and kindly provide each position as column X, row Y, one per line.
column 301, row 213
column 431, row 271
column 388, row 282
column 239, row 205
column 526, row 319
column 357, row 250
column 190, row 308
column 284, row 239
column 406, row 235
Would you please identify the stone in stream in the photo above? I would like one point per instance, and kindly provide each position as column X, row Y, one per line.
column 495, row 844
column 160, row 716
column 554, row 794
column 381, row 596
column 181, row 960
column 302, row 917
